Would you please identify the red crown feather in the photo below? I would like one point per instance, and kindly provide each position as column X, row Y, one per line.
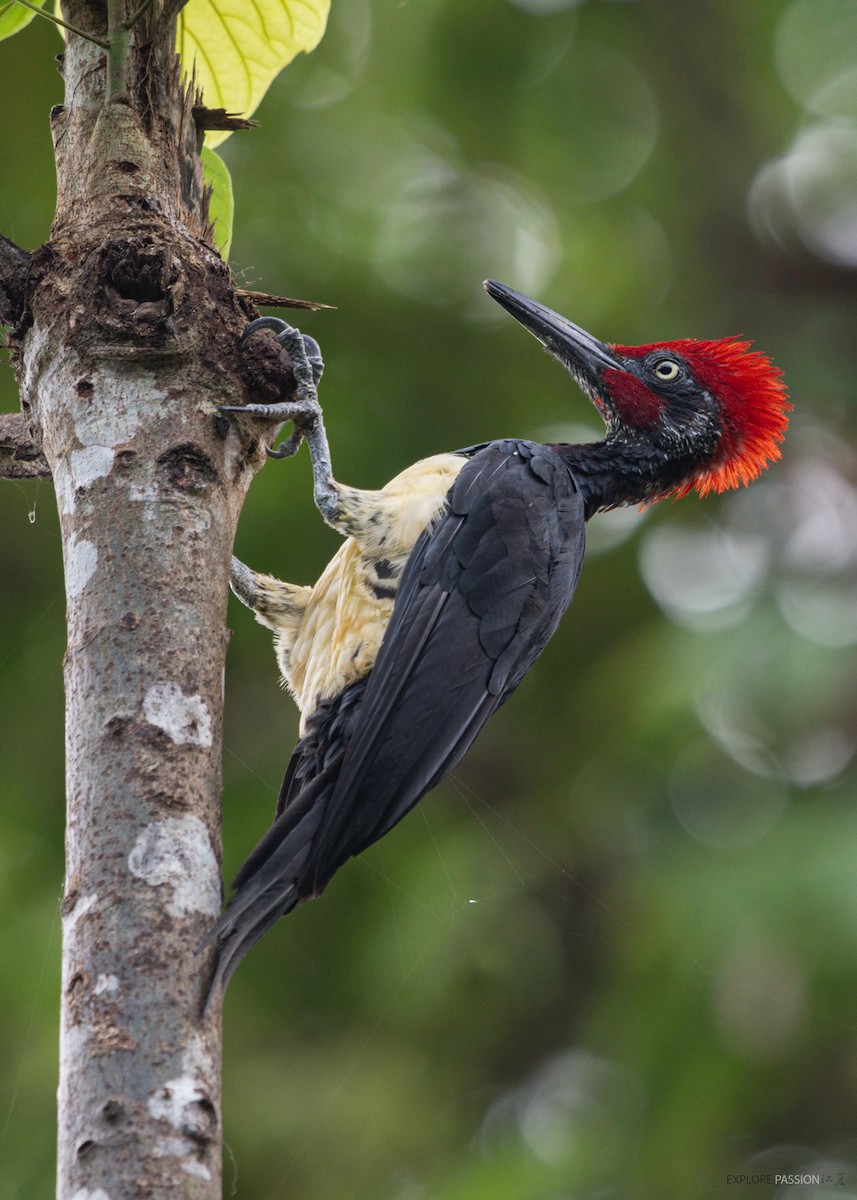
column 753, row 403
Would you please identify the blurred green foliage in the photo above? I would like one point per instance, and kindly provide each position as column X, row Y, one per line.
column 614, row 955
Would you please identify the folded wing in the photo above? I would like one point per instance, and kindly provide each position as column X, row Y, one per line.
column 482, row 593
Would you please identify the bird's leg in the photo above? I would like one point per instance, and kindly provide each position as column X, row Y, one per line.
column 277, row 605
column 243, row 582
column 304, row 410
column 353, row 512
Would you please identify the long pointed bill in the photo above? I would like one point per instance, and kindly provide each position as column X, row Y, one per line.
column 583, row 355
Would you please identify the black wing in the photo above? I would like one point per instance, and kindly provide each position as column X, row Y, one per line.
column 483, row 591
column 268, row 886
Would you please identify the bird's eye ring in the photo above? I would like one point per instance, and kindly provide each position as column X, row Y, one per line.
column 667, row 370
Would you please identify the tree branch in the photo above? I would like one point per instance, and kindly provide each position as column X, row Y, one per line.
column 170, row 11
column 20, row 457
column 267, row 300
column 14, row 268
column 219, row 118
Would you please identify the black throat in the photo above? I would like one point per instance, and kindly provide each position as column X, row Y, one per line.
column 614, row 473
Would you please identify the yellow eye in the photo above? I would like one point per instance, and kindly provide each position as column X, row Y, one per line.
column 667, row 370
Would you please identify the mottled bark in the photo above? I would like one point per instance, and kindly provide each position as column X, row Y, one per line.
column 20, row 457
column 127, row 341
column 14, row 268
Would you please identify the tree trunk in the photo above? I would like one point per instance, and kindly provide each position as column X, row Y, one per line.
column 127, row 340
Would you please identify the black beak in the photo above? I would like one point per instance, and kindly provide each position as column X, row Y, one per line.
column 583, row 355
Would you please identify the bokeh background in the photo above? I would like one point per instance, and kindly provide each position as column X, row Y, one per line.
column 616, row 954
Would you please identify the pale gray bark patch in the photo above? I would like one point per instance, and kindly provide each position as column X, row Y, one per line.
column 176, row 853
column 89, row 464
column 106, row 983
column 80, row 908
column 180, row 1103
column 184, row 719
column 81, row 560
column 109, row 421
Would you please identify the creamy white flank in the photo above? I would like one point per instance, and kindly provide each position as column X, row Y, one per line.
column 328, row 636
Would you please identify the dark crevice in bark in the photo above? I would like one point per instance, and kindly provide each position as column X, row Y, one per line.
column 189, row 468
column 14, row 269
column 20, row 457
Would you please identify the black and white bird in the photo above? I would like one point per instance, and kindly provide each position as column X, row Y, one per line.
column 453, row 578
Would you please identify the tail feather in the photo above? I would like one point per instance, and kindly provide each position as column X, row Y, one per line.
column 265, row 894
column 235, row 944
column 289, row 864
column 311, row 801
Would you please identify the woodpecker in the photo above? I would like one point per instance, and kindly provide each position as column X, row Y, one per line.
column 453, row 578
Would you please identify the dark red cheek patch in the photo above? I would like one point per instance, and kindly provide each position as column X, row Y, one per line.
column 632, row 400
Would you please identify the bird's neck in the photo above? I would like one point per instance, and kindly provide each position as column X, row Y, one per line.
column 614, row 473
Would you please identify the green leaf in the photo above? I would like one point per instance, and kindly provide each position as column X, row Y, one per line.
column 13, row 17
column 237, row 49
column 221, row 206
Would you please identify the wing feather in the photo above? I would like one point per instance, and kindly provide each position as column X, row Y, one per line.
column 482, row 593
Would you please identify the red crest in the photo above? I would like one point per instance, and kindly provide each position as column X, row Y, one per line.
column 753, row 404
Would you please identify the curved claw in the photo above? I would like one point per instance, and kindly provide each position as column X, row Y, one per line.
column 304, row 349
column 304, row 410
column 313, row 354
column 286, row 449
column 292, row 444
column 275, row 323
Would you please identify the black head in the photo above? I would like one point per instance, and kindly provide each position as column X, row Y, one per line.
column 713, row 413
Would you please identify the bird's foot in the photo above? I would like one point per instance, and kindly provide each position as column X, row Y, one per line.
column 304, row 350
column 304, row 416
column 307, row 367
column 304, row 410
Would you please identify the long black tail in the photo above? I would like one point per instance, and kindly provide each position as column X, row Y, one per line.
column 273, row 880
column 286, row 867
